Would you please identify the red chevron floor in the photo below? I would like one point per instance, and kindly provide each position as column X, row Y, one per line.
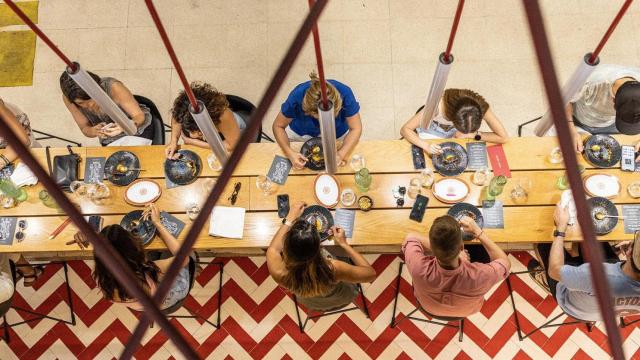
column 258, row 322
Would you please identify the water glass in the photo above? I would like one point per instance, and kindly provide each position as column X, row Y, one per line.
column 415, row 185
column 357, row 162
column 363, row 179
column 98, row 192
column 79, row 188
column 214, row 163
column 481, row 177
column 555, row 156
column 520, row 192
column 7, row 202
column 267, row 186
column 427, row 177
column 348, row 197
column 192, row 210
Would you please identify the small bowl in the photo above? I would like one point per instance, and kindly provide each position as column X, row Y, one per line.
column 634, row 189
column 348, row 197
column 365, row 203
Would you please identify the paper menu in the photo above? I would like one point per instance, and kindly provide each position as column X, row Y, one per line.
column 477, row 152
column 345, row 219
column 227, row 222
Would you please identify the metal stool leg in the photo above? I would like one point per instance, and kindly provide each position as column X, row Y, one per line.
column 6, row 329
column 66, row 279
column 217, row 326
column 460, row 330
column 395, row 299
column 364, row 301
column 295, row 303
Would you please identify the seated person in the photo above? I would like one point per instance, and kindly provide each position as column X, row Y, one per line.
column 298, row 262
column 149, row 273
column 6, row 284
column 447, row 281
column 19, row 123
column 460, row 114
column 298, row 118
column 95, row 123
column 608, row 103
column 229, row 124
column 569, row 278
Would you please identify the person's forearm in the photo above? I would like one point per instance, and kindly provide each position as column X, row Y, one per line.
column 556, row 258
column 494, row 251
column 138, row 120
column 282, row 139
column 492, row 138
column 89, row 131
column 278, row 239
column 196, row 142
column 412, row 137
column 8, row 154
column 169, row 240
column 350, row 142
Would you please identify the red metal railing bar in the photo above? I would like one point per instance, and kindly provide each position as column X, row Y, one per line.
column 40, row 34
column 318, row 51
column 247, row 137
column 102, row 249
column 605, row 38
column 454, row 30
column 172, row 55
column 590, row 244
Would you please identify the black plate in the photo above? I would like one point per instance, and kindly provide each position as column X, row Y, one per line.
column 6, row 172
column 145, row 230
column 314, row 162
column 607, row 155
column 465, row 209
column 126, row 158
column 179, row 171
column 451, row 167
column 600, row 204
column 318, row 212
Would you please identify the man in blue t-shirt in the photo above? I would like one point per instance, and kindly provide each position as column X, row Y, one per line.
column 298, row 118
column 570, row 278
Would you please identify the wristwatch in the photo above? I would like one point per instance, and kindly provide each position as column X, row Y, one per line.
column 557, row 233
column 478, row 136
column 287, row 222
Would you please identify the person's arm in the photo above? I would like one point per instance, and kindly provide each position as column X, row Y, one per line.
column 9, row 154
column 124, row 98
column 408, row 132
column 556, row 255
column 196, row 142
column 82, row 122
column 229, row 128
column 498, row 133
column 424, row 241
column 279, row 125
column 494, row 251
column 172, row 146
column 275, row 264
column 577, row 139
column 361, row 271
column 173, row 245
column 351, row 140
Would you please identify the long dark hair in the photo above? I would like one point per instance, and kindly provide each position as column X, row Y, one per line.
column 72, row 90
column 308, row 272
column 214, row 100
column 465, row 109
column 130, row 248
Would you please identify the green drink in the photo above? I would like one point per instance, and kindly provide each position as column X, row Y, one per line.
column 363, row 179
column 563, row 181
column 47, row 200
column 10, row 189
column 496, row 186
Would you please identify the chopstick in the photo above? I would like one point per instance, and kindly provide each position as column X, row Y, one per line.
column 59, row 229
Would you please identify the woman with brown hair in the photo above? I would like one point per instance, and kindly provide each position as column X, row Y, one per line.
column 460, row 114
column 319, row 280
column 298, row 118
column 228, row 123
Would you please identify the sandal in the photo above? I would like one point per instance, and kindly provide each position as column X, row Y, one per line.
column 37, row 271
column 538, row 275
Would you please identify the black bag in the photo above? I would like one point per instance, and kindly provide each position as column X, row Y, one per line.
column 64, row 169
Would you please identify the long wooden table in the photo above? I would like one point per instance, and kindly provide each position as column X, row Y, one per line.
column 380, row 230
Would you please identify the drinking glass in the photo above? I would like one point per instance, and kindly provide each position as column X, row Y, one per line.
column 520, row 192
column 363, row 179
column 357, row 162
column 563, row 181
column 79, row 188
column 348, row 197
column 555, row 156
column 414, row 187
column 496, row 186
column 214, row 163
column 426, row 177
column 481, row 177
column 7, row 202
column 267, row 186
column 193, row 210
column 98, row 192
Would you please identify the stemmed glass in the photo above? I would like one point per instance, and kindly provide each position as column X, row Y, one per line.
column 265, row 184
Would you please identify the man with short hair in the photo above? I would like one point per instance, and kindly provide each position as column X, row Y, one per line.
column 570, row 281
column 447, row 281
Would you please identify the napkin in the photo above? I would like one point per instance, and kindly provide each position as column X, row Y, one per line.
column 227, row 222
column 567, row 200
column 22, row 176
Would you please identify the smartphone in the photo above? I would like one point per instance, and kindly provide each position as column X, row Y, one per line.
column 419, row 208
column 628, row 162
column 96, row 222
column 418, row 157
column 283, row 205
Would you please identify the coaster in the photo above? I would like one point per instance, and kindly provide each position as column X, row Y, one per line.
column 94, row 170
column 173, row 225
column 279, row 171
column 493, row 214
column 7, row 230
column 631, row 218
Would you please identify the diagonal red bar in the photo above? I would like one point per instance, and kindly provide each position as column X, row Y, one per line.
column 590, row 244
column 246, row 138
column 454, row 29
column 318, row 51
column 103, row 249
column 607, row 35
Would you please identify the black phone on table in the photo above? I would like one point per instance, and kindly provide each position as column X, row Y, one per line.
column 417, row 153
column 419, row 208
column 283, row 205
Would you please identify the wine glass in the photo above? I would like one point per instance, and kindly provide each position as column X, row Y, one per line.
column 266, row 185
column 426, row 177
column 98, row 192
column 481, row 177
column 414, row 187
column 555, row 156
column 357, row 162
column 214, row 163
column 79, row 188
column 192, row 210
column 520, row 191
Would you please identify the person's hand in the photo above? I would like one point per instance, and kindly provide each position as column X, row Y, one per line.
column 469, row 226
column 170, row 151
column 432, row 149
column 623, row 247
column 296, row 210
column 561, row 217
column 464, row 255
column 340, row 161
column 153, row 214
column 577, row 140
column 97, row 129
column 297, row 160
column 111, row 130
column 339, row 237
column 80, row 239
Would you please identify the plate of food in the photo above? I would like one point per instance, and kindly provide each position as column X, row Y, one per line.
column 312, row 150
column 602, row 150
column 327, row 190
column 450, row 190
column 142, row 192
column 139, row 226
column 320, row 217
column 122, row 168
column 460, row 210
column 604, row 215
column 452, row 161
column 603, row 185
column 185, row 169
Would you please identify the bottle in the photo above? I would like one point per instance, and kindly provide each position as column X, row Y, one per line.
column 11, row 190
column 363, row 179
column 47, row 200
column 496, row 186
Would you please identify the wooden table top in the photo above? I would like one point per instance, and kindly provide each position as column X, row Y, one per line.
column 381, row 229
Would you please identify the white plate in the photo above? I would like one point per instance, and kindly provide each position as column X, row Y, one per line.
column 327, row 190
column 142, row 192
column 450, row 190
column 606, row 186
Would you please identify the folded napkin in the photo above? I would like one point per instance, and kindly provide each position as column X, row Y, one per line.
column 227, row 222
column 567, row 200
column 131, row 141
column 22, row 176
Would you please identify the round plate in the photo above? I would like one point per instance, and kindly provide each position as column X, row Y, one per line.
column 450, row 190
column 123, row 158
column 602, row 205
column 602, row 185
column 312, row 150
column 327, row 190
column 453, row 160
column 6, row 172
column 143, row 229
column 185, row 170
column 465, row 209
column 602, row 151
column 321, row 217
column 142, row 192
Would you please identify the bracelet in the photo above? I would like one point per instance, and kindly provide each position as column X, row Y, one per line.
column 4, row 160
